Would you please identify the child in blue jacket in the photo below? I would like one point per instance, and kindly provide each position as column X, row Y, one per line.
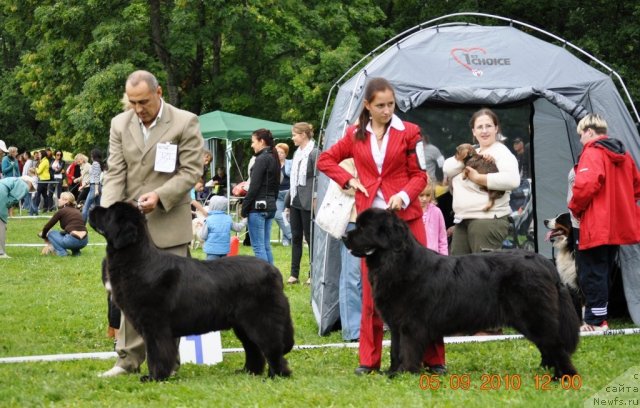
column 217, row 228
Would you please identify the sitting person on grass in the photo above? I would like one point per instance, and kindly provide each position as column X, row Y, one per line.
column 218, row 226
column 74, row 235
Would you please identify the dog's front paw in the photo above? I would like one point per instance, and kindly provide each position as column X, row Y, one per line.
column 148, row 378
column 391, row 373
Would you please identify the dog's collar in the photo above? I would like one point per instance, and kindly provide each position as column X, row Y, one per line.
column 364, row 254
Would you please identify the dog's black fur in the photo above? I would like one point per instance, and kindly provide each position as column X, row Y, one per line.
column 561, row 234
column 113, row 313
column 423, row 296
column 167, row 296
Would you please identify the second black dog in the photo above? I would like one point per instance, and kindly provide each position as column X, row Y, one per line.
column 423, row 296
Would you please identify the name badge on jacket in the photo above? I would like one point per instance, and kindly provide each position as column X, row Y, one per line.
column 166, row 157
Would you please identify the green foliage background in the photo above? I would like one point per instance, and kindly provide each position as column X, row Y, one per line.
column 63, row 63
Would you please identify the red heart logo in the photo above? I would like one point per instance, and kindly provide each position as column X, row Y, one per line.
column 475, row 72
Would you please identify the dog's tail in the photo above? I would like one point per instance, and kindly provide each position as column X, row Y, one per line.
column 288, row 337
column 493, row 196
column 490, row 204
column 287, row 333
column 569, row 323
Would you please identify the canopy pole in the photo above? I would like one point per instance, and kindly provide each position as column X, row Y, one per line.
column 229, row 147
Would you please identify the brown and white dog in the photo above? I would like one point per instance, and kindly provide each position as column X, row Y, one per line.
column 196, row 226
column 468, row 155
column 561, row 234
column 47, row 249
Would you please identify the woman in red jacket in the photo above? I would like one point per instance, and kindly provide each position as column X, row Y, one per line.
column 383, row 149
column 605, row 195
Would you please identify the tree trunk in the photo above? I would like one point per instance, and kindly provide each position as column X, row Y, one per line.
column 195, row 80
column 158, row 36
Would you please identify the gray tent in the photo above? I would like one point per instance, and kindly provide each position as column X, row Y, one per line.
column 537, row 87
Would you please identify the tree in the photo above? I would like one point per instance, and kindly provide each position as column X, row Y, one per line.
column 18, row 125
column 274, row 59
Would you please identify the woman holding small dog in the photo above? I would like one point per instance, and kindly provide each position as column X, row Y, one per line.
column 259, row 205
column 74, row 236
column 477, row 227
column 383, row 149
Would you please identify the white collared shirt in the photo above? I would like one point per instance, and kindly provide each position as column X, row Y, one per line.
column 379, row 153
column 147, row 131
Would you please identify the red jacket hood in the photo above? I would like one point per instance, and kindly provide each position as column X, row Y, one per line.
column 614, row 148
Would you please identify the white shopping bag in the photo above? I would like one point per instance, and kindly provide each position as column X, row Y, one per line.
column 201, row 349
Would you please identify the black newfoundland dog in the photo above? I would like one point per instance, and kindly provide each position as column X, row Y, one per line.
column 423, row 295
column 166, row 296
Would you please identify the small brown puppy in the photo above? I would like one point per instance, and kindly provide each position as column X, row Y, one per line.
column 483, row 165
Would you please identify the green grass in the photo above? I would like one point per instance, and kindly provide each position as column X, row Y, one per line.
column 52, row 305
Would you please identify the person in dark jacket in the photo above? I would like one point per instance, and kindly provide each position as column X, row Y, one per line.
column 259, row 205
column 74, row 234
column 606, row 190
column 57, row 172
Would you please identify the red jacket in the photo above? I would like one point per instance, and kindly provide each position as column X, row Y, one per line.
column 605, row 194
column 70, row 172
column 400, row 169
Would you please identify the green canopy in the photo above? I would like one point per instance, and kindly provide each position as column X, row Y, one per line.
column 229, row 126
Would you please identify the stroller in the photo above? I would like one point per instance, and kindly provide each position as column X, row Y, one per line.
column 521, row 231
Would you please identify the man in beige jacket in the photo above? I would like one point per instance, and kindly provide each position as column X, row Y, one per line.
column 155, row 155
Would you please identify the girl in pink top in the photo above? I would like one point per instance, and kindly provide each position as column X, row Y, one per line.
column 433, row 221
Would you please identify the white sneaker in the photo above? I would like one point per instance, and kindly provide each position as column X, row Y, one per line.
column 114, row 372
column 4, row 256
column 604, row 326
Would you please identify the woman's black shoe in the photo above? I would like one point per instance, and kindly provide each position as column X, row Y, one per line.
column 363, row 370
column 437, row 369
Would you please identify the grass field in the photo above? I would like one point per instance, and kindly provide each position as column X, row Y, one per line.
column 51, row 305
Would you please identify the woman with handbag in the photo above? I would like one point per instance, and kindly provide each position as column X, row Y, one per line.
column 259, row 205
column 301, row 193
column 383, row 149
